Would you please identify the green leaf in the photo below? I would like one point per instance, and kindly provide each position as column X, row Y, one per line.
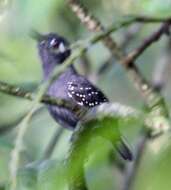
column 104, row 126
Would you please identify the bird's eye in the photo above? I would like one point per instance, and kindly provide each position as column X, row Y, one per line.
column 54, row 43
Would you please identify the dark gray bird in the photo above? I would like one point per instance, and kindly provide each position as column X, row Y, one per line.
column 53, row 51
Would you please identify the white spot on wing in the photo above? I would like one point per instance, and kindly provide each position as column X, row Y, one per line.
column 71, row 87
column 69, row 82
column 69, row 95
column 80, row 103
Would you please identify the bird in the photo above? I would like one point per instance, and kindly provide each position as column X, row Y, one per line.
column 53, row 50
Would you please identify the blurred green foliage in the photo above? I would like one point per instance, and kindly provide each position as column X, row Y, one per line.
column 20, row 65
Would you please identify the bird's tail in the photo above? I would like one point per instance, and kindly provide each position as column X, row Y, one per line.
column 124, row 150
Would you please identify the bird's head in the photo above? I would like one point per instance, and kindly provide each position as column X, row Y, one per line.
column 53, row 46
column 53, row 50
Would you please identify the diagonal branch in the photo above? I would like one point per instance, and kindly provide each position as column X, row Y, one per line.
column 52, row 144
column 127, row 37
column 155, row 36
column 160, row 73
column 150, row 95
column 133, row 167
column 93, row 24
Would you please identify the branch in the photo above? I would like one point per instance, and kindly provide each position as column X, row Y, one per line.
column 155, row 36
column 149, row 20
column 52, row 144
column 93, row 24
column 127, row 37
column 160, row 73
column 21, row 93
column 134, row 166
column 151, row 96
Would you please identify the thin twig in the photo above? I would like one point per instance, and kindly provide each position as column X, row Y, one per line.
column 134, row 166
column 52, row 144
column 148, row 19
column 150, row 95
column 15, row 154
column 127, row 37
column 155, row 36
column 160, row 71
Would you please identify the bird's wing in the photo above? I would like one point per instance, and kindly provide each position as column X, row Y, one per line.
column 84, row 93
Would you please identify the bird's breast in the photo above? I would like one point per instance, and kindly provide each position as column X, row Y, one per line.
column 58, row 89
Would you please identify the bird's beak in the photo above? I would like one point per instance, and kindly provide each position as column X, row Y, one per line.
column 36, row 36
